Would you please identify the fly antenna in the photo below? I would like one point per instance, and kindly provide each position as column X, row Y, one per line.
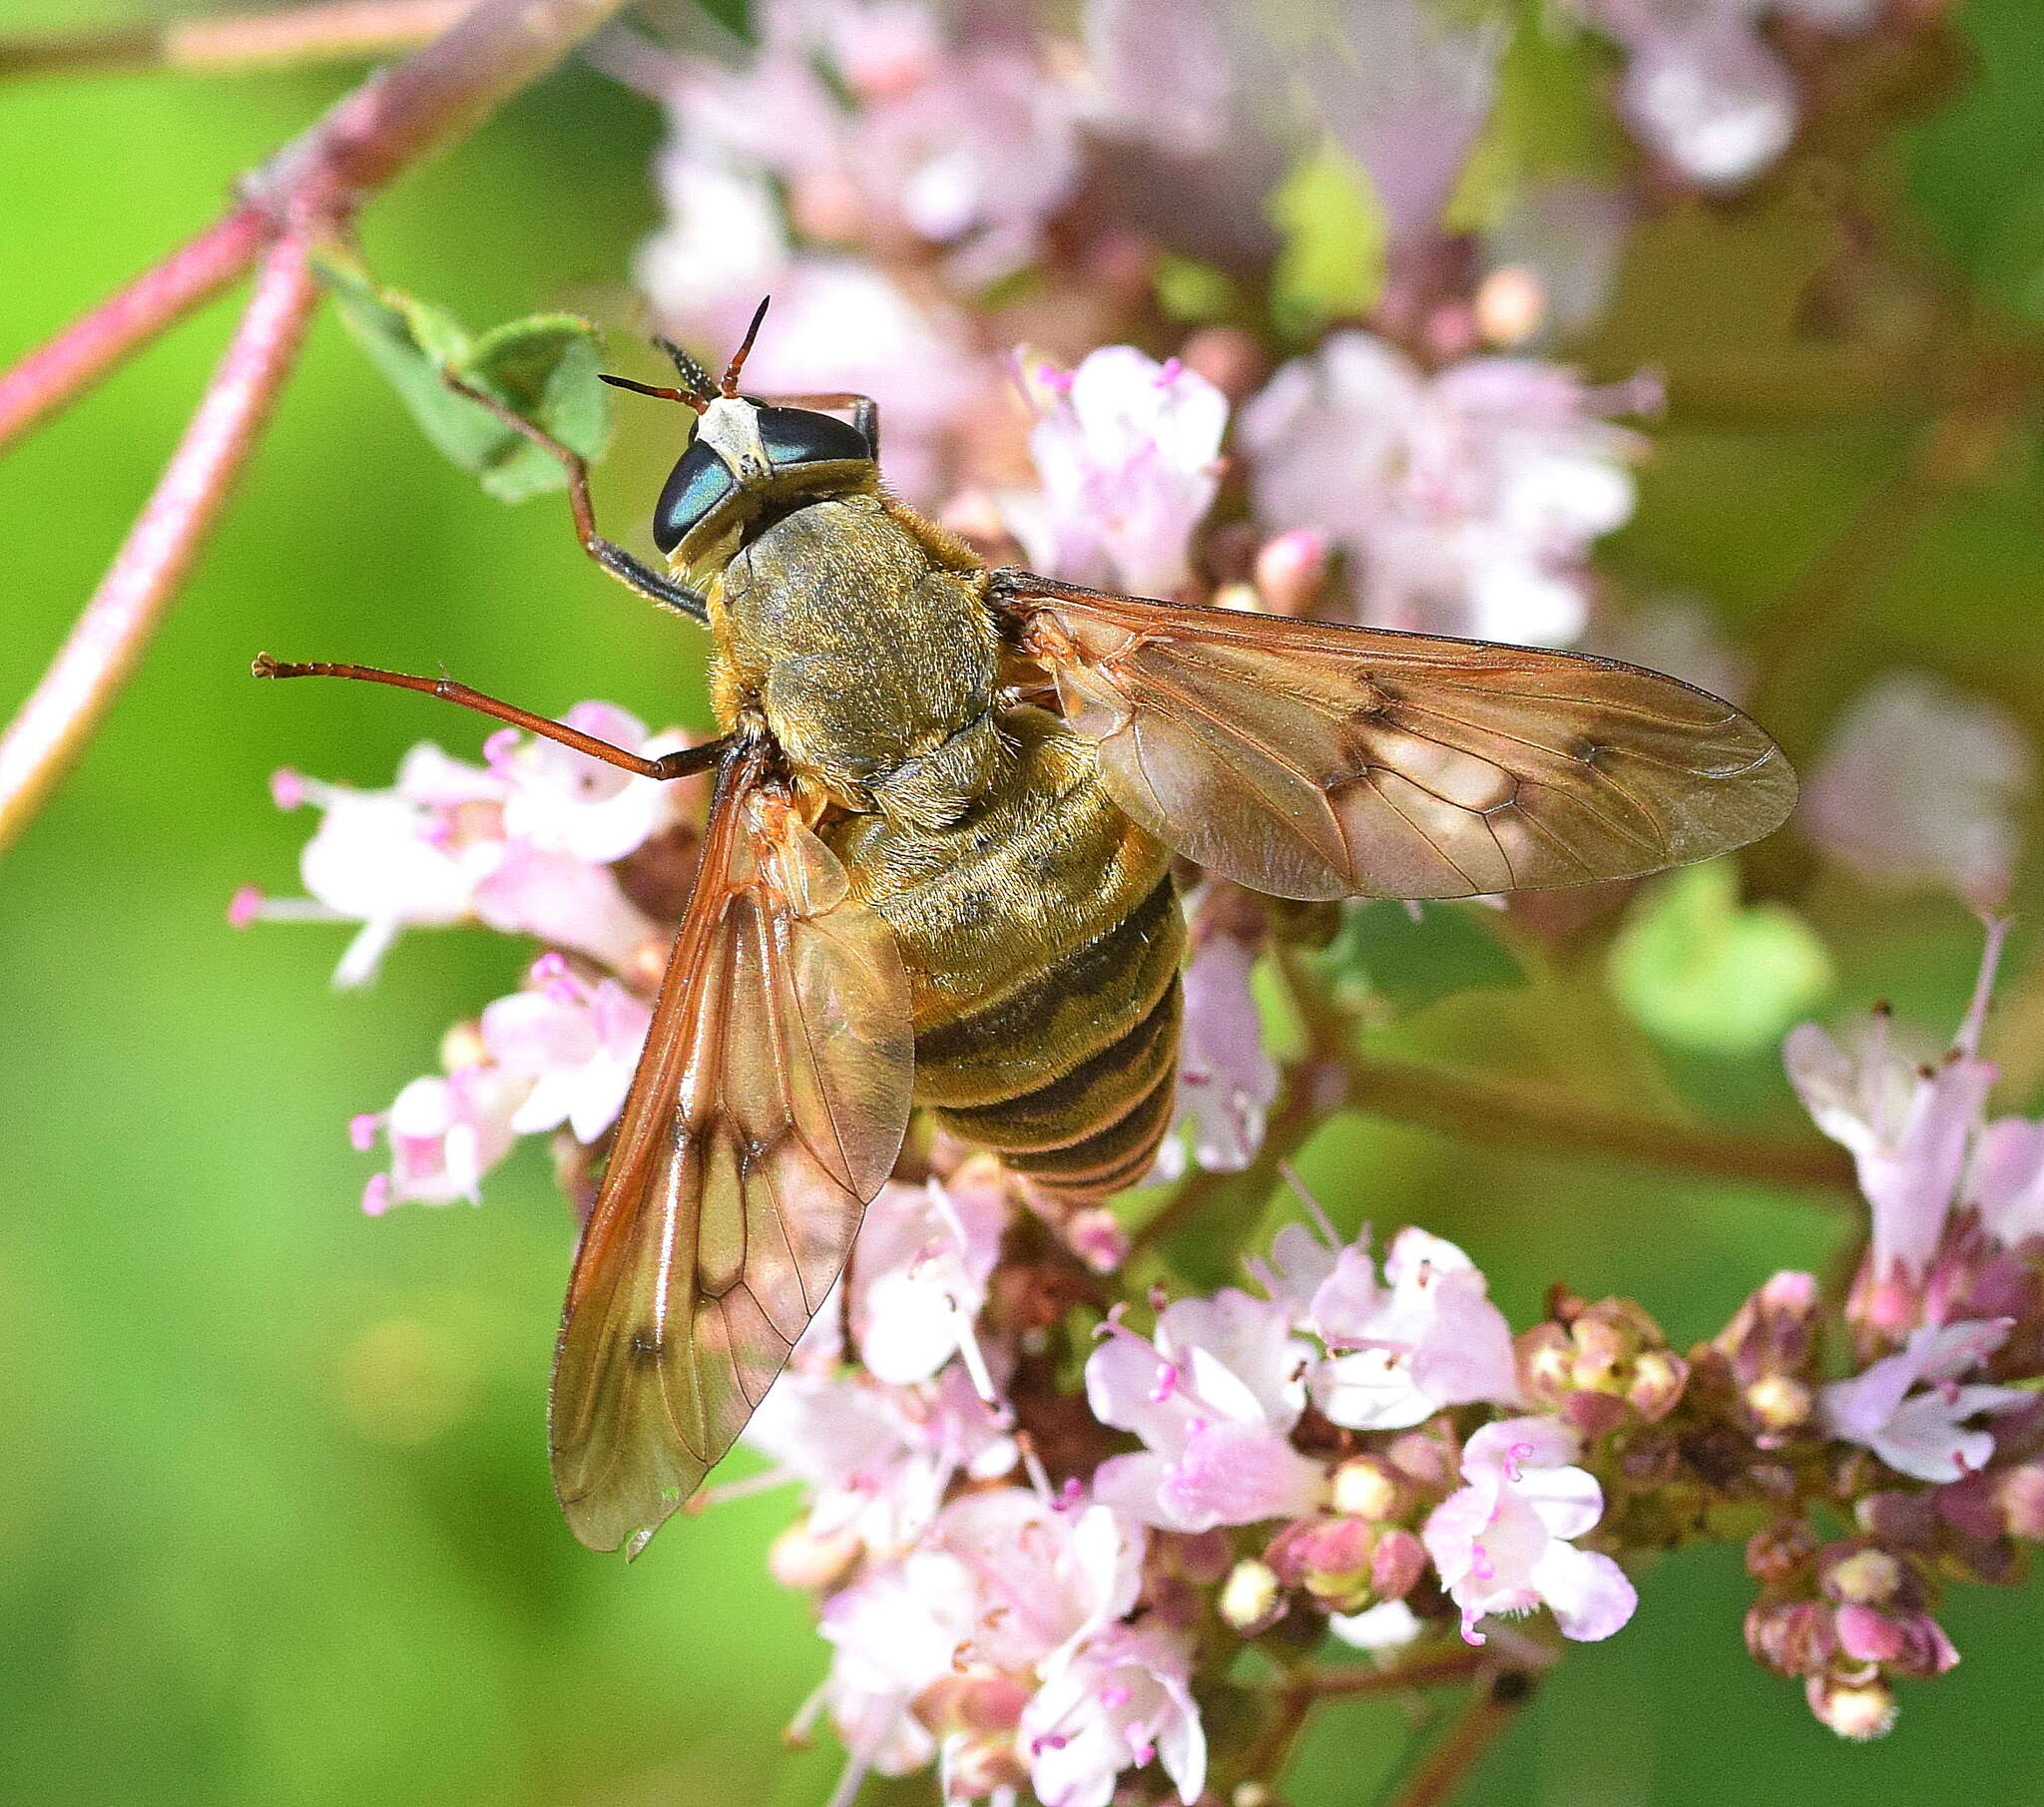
column 687, row 398
column 730, row 385
column 693, row 375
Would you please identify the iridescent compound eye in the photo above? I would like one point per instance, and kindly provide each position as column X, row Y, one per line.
column 801, row 436
column 698, row 483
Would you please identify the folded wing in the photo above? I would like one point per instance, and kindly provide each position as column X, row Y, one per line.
column 1314, row 760
column 765, row 1112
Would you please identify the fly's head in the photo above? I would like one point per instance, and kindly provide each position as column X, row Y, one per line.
column 746, row 456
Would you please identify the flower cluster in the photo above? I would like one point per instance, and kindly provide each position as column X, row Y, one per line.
column 1073, row 1537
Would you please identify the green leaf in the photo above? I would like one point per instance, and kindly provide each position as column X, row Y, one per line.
column 1695, row 968
column 1333, row 265
column 543, row 367
column 1382, row 952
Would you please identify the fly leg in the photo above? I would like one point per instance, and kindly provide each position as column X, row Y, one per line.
column 682, row 764
column 633, row 573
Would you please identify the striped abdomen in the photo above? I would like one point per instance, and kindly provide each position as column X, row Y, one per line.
column 1043, row 940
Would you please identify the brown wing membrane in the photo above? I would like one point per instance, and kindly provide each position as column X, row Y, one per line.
column 1314, row 760
column 765, row 1112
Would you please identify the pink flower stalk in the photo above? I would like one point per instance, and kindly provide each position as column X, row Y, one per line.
column 1469, row 499
column 1428, row 1338
column 444, row 1135
column 1213, row 1398
column 1127, row 452
column 1909, row 1127
column 1921, row 784
column 521, row 844
column 1702, row 88
column 1910, row 1407
column 1227, row 1078
column 575, row 1043
column 1503, row 1544
column 1119, row 1701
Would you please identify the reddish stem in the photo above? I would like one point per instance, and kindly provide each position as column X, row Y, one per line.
column 111, row 633
column 307, row 192
column 88, row 347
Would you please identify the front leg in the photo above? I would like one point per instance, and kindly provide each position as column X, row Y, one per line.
column 633, row 573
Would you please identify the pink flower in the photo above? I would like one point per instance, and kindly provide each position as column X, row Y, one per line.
column 1226, row 1078
column 2007, row 1179
column 878, row 1460
column 879, row 126
column 1921, row 783
column 1128, row 451
column 1503, row 1545
column 522, row 844
column 1119, row 1701
column 1909, row 1408
column 1406, row 94
column 575, row 1043
column 1400, row 1352
column 1214, row 1399
column 1702, row 87
column 919, row 1273
column 1046, row 1577
column 1909, row 1127
column 444, row 1135
column 1470, row 498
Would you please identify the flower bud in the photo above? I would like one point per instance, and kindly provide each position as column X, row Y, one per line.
column 800, row 1558
column 1291, row 570
column 463, row 1045
column 1659, row 1377
column 1397, row 1565
column 1510, row 305
column 1431, row 1461
column 1792, row 1637
column 1867, row 1635
column 1365, row 1487
column 1251, row 1599
column 1899, row 1520
column 1862, row 1578
column 1779, row 1404
column 1547, row 1366
column 1779, row 1551
column 1096, row 1237
column 2020, row 1495
column 1854, row 1709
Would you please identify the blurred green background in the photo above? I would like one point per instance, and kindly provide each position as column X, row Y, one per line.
column 273, row 1504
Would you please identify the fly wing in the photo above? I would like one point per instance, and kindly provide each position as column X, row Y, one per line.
column 1314, row 760
column 766, row 1111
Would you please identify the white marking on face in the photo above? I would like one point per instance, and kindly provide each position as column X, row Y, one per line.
column 730, row 428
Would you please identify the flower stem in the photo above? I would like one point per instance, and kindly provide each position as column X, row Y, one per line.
column 1495, row 1702
column 1491, row 1110
column 307, row 192
column 281, row 38
column 65, row 366
column 110, row 634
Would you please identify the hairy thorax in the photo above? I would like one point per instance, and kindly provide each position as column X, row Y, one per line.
column 861, row 635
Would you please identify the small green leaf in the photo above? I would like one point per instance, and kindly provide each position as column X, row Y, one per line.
column 1381, row 951
column 544, row 368
column 1695, row 968
column 1333, row 265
